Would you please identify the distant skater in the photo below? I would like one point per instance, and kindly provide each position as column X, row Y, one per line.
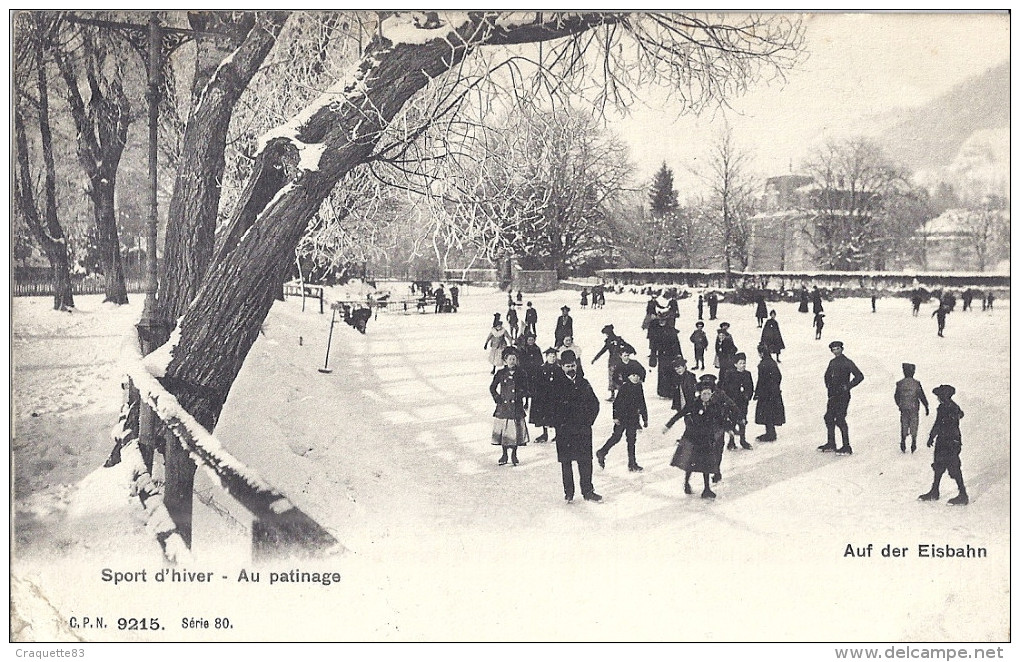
column 818, row 323
column 909, row 396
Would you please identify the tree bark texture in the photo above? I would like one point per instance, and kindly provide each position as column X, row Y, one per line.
column 192, row 214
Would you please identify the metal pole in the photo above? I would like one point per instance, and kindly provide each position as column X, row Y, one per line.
column 150, row 331
column 325, row 368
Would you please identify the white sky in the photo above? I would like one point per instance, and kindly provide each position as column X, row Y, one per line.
column 858, row 65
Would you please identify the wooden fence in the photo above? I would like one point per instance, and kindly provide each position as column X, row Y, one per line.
column 40, row 288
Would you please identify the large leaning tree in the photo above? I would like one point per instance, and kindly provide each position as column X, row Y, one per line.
column 220, row 300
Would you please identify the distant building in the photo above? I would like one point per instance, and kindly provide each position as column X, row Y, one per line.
column 780, row 238
column 950, row 241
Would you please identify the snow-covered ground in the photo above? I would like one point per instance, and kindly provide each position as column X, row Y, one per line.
column 390, row 452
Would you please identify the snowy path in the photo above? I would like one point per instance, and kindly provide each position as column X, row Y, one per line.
column 390, row 451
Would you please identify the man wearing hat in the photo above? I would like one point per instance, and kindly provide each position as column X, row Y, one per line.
column 629, row 410
column 700, row 342
column 945, row 434
column 531, row 320
column 685, row 389
column 726, row 415
column 841, row 376
column 725, row 350
column 909, row 397
column 576, row 410
column 613, row 344
column 564, row 325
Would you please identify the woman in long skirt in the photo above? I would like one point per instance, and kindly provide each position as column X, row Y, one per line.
column 509, row 388
column 497, row 340
column 772, row 337
column 696, row 452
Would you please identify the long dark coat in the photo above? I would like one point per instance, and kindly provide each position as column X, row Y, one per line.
column 740, row 387
column 564, row 328
column 576, row 410
column 698, row 450
column 803, row 308
column 770, row 409
column 725, row 351
column 761, row 310
column 772, row 337
column 545, row 388
column 509, row 389
column 816, row 302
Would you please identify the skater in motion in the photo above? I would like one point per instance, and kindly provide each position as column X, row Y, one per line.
column 803, row 307
column 496, row 342
column 512, row 322
column 629, row 413
column 760, row 309
column 685, row 390
column 841, row 376
column 564, row 326
column 713, row 305
column 576, row 411
column 769, row 410
column 818, row 323
column 509, row 389
column 816, row 301
column 725, row 350
column 700, row 341
column 739, row 385
column 772, row 337
column 614, row 345
column 909, row 396
column 695, row 452
column 940, row 316
column 545, row 388
column 701, row 307
column 584, row 298
column 915, row 302
column 945, row 434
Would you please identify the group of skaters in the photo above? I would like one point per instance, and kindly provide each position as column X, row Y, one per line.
column 548, row 389
column 598, row 296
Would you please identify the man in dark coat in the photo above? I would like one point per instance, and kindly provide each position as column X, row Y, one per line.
column 713, row 305
column 816, row 301
column 454, row 297
column 700, row 342
column 531, row 320
column 440, row 298
column 701, row 307
column 945, row 434
column 577, row 409
column 840, row 377
column 564, row 326
column 725, row 350
column 940, row 315
column 915, row 302
column 770, row 410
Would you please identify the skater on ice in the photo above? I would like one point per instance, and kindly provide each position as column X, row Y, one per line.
column 577, row 409
column 818, row 323
column 512, row 322
column 940, row 317
column 769, row 409
column 841, row 376
column 945, row 434
column 568, row 344
column 629, row 413
column 739, row 385
column 531, row 320
column 509, row 389
column 909, row 396
column 564, row 326
column 700, row 341
column 695, row 452
column 614, row 345
column 772, row 337
column 761, row 310
column 545, row 388
column 685, row 389
column 496, row 342
column 725, row 349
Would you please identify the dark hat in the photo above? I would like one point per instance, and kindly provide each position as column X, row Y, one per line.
column 739, row 356
column 944, row 391
column 566, row 308
column 608, row 328
column 568, row 357
column 706, row 386
column 627, row 348
column 507, row 351
column 529, row 334
column 679, row 361
column 836, row 343
column 724, row 326
column 707, row 378
column 551, row 350
column 699, row 324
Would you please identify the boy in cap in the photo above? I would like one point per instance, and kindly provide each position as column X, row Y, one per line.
column 841, row 375
column 629, row 409
column 909, row 396
column 818, row 323
column 945, row 434
column 700, row 341
column 739, row 385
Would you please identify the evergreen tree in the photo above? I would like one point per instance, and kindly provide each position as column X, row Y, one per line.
column 663, row 195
